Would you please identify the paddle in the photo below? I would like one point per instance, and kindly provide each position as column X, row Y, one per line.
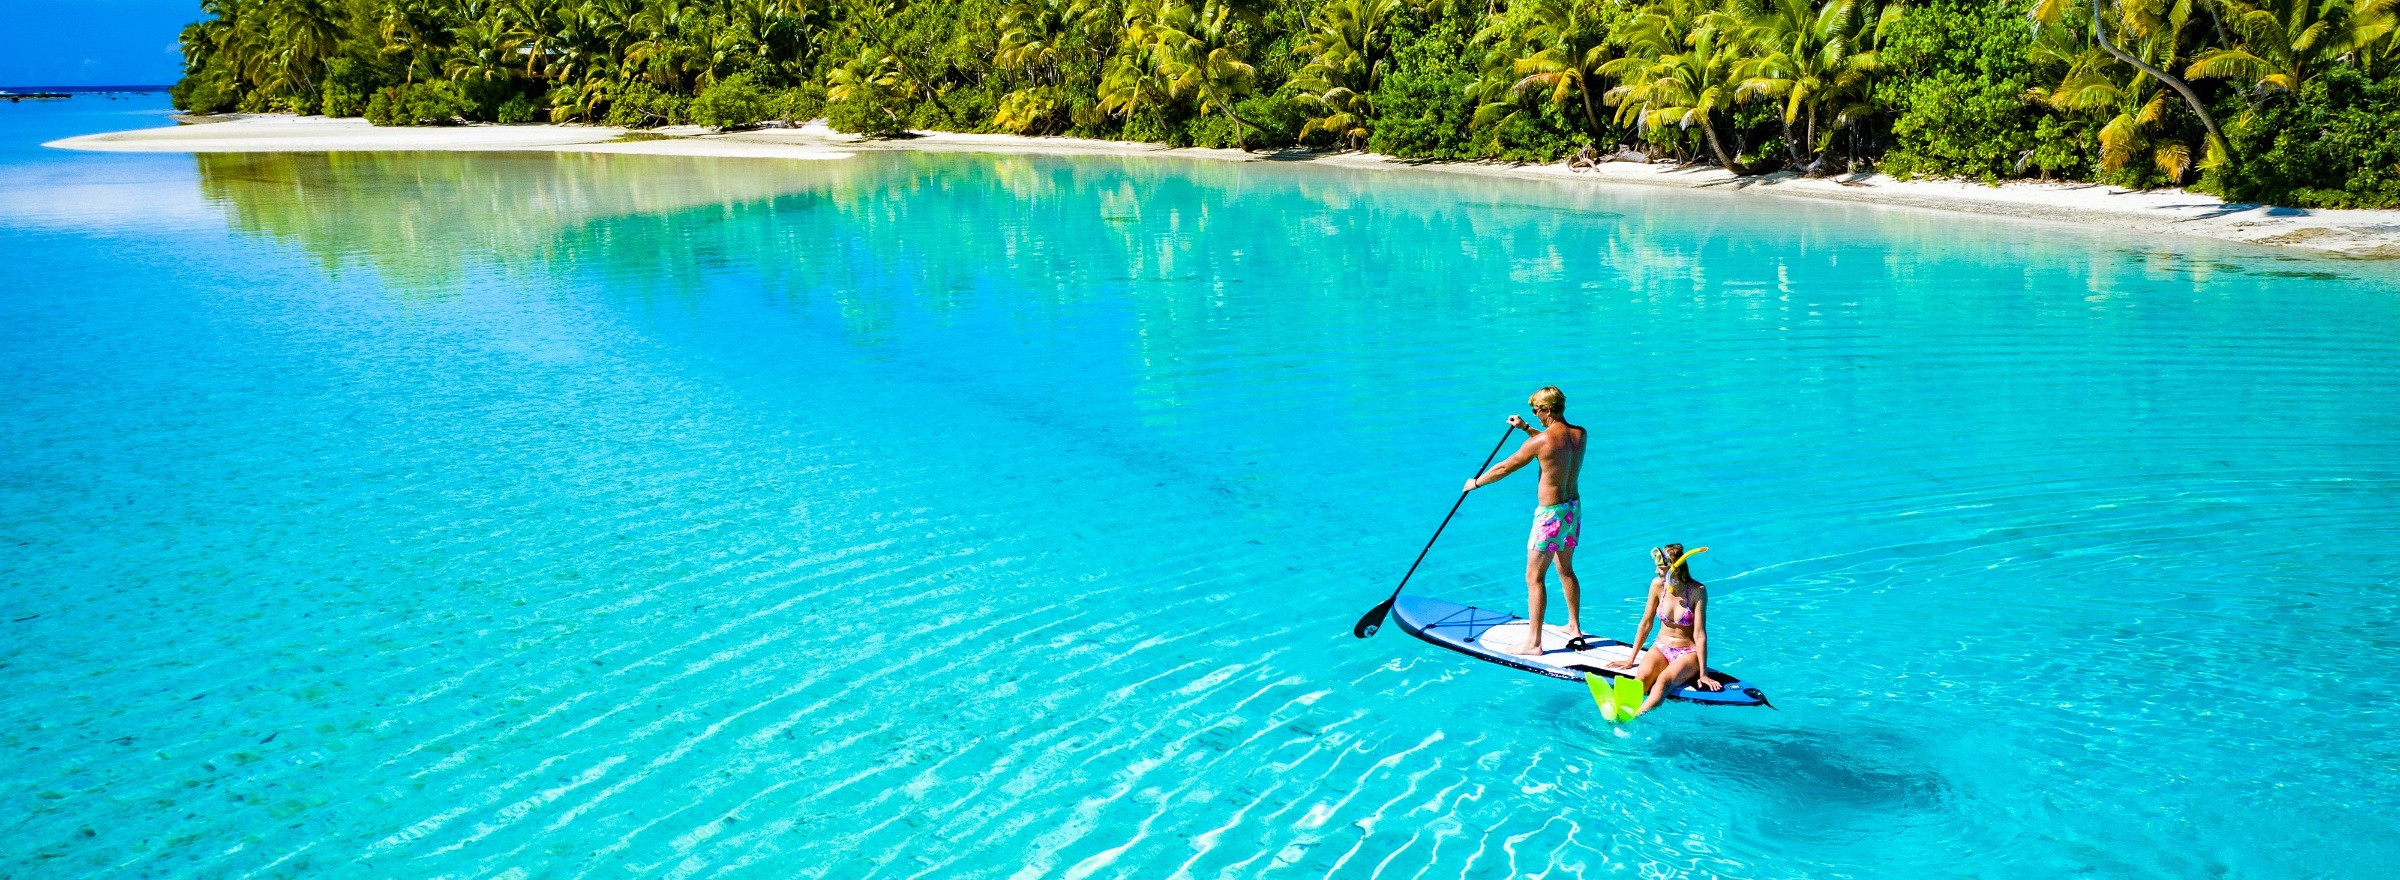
column 1374, row 618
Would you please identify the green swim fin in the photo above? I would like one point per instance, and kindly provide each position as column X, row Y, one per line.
column 1618, row 698
column 1629, row 698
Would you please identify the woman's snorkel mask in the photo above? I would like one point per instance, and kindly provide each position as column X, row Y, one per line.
column 1658, row 555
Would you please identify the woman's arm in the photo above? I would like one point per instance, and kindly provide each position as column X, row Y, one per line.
column 1642, row 630
column 1700, row 639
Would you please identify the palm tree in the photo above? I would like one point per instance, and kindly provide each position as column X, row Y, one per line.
column 482, row 49
column 532, row 24
column 1186, row 51
column 1037, row 38
column 665, row 48
column 2381, row 20
column 1034, row 34
column 1131, row 84
column 2143, row 25
column 876, row 79
column 304, row 35
column 779, row 32
column 1654, row 32
column 871, row 21
column 2279, row 45
column 1347, row 44
column 414, row 30
column 204, row 40
column 1812, row 56
column 2097, row 85
column 586, row 55
column 1690, row 87
column 1556, row 49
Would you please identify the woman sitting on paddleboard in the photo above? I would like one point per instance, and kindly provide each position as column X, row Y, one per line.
column 1680, row 605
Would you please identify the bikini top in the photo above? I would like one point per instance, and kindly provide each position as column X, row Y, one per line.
column 1687, row 614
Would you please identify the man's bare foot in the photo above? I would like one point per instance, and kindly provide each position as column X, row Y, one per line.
column 1532, row 649
column 1573, row 632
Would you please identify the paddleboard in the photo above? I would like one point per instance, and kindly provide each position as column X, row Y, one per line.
column 1488, row 635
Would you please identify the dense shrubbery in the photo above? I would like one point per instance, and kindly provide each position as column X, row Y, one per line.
column 732, row 102
column 1958, row 75
column 1422, row 106
column 869, row 95
column 433, row 103
column 349, row 84
column 638, row 104
column 1986, row 89
column 517, row 110
column 2335, row 144
column 205, row 94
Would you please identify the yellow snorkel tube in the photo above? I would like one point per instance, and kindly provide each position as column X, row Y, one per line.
column 1659, row 555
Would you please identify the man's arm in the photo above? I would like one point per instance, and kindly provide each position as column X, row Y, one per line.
column 1508, row 465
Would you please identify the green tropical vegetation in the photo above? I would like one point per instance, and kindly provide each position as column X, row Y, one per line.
column 2286, row 101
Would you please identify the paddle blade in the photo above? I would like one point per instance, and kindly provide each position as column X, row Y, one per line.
column 1373, row 620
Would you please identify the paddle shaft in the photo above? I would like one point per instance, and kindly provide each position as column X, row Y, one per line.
column 1437, row 530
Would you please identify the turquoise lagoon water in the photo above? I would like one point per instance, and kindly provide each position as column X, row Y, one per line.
column 957, row 516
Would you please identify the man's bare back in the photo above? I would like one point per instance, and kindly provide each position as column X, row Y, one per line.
column 1559, row 446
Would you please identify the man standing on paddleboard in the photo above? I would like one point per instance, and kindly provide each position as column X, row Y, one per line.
column 1559, row 518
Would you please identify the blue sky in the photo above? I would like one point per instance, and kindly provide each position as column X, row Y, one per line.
column 92, row 42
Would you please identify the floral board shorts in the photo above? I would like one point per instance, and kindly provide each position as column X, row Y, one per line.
column 1555, row 526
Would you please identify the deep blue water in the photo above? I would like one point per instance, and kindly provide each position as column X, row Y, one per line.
column 550, row 516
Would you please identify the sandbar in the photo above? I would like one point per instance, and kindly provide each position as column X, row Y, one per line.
column 2352, row 233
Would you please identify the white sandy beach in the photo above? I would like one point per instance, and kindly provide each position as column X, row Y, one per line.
column 2173, row 212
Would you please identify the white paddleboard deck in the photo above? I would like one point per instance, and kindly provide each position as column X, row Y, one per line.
column 1493, row 636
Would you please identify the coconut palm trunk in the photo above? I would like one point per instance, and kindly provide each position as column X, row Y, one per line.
column 1239, row 142
column 1708, row 132
column 2216, row 138
column 1591, row 115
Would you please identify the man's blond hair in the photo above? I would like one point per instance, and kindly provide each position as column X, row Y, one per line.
column 1550, row 400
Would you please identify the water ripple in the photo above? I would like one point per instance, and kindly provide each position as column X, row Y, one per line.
column 801, row 535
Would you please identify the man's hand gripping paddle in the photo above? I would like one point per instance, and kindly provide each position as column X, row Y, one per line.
column 1373, row 620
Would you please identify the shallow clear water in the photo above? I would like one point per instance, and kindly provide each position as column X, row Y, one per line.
column 533, row 516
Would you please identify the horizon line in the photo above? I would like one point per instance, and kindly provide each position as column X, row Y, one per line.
column 118, row 87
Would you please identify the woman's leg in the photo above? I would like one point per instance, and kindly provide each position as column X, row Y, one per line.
column 1646, row 667
column 1677, row 674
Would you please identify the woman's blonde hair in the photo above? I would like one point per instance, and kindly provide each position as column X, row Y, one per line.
column 1549, row 399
